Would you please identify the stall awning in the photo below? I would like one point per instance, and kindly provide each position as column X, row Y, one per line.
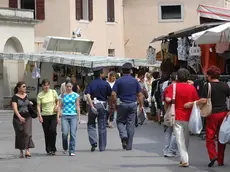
column 186, row 32
column 212, row 12
column 74, row 59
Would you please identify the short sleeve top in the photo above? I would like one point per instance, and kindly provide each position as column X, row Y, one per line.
column 47, row 100
column 219, row 92
column 127, row 88
column 22, row 105
column 69, row 103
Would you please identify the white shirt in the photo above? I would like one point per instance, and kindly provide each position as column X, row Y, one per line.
column 111, row 84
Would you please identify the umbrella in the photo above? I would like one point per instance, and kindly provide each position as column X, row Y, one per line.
column 213, row 35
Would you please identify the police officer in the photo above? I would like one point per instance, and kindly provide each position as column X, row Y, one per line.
column 126, row 91
column 97, row 93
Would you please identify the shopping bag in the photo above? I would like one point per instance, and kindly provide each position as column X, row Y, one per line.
column 141, row 116
column 169, row 117
column 224, row 134
column 195, row 122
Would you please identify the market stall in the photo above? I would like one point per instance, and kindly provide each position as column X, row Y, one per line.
column 179, row 49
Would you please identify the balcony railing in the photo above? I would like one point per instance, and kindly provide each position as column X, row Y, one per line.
column 17, row 13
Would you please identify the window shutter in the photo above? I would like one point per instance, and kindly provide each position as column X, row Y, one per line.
column 13, row 3
column 110, row 11
column 90, row 7
column 79, row 11
column 40, row 9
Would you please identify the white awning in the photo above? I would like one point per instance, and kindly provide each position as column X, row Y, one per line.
column 213, row 35
column 74, row 59
column 214, row 12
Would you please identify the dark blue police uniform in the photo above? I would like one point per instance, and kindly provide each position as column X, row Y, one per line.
column 126, row 88
column 100, row 90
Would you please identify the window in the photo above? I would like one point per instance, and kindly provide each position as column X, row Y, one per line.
column 37, row 5
column 110, row 11
column 84, row 10
column 111, row 52
column 171, row 13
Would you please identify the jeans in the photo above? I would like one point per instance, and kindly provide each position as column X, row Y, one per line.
column 170, row 147
column 69, row 123
column 50, row 130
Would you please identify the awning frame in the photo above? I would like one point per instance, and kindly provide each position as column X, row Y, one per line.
column 187, row 31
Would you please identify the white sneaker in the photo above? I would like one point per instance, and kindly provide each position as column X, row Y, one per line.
column 72, row 154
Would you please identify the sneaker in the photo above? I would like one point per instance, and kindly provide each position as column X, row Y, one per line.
column 72, row 154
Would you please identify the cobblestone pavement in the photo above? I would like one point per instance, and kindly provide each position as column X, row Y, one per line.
column 146, row 156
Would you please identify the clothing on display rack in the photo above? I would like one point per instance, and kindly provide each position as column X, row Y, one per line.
column 183, row 49
column 194, row 59
column 173, row 44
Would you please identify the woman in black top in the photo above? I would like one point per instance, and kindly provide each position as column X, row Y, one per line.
column 219, row 92
column 22, row 120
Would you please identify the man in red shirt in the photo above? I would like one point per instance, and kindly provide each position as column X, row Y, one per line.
column 185, row 92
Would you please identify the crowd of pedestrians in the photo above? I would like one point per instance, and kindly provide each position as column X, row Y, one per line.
column 124, row 96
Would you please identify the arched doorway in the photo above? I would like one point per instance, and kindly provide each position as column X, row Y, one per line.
column 13, row 45
column 12, row 70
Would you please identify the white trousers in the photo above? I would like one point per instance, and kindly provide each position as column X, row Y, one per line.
column 182, row 138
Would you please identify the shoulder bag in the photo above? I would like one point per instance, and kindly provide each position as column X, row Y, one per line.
column 169, row 118
column 206, row 109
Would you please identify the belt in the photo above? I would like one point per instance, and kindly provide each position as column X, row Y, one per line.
column 98, row 101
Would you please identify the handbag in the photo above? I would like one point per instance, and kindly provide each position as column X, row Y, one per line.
column 206, row 109
column 169, row 118
column 194, row 50
column 32, row 111
column 223, row 44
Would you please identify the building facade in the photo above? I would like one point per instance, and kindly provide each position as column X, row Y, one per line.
column 99, row 20
column 118, row 27
column 144, row 20
column 17, row 36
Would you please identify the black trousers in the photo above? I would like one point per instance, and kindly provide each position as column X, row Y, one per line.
column 50, row 131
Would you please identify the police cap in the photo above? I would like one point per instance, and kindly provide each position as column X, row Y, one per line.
column 98, row 69
column 126, row 66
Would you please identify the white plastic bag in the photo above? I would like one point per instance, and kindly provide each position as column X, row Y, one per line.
column 141, row 116
column 195, row 122
column 224, row 134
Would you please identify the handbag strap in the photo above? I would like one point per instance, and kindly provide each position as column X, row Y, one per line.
column 174, row 94
column 209, row 91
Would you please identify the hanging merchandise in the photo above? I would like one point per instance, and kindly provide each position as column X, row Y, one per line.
column 36, row 72
column 194, row 61
column 183, row 49
column 223, row 45
column 194, row 50
column 27, row 68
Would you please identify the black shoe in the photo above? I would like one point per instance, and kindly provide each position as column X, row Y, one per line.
column 93, row 148
column 124, row 142
column 212, row 162
column 53, row 153
column 49, row 153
